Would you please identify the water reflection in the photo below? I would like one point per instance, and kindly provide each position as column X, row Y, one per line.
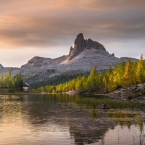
column 56, row 119
column 128, row 119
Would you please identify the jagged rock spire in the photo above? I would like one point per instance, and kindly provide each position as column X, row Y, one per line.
column 80, row 44
column 79, row 41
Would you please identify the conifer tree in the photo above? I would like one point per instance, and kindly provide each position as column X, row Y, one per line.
column 134, row 80
column 92, row 80
column 140, row 70
column 111, row 83
column 127, row 74
column 106, row 79
column 7, row 81
column 120, row 73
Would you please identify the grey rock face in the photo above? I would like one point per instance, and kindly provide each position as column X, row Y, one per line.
column 35, row 62
column 41, row 62
column 125, row 59
column 1, row 66
column 80, row 44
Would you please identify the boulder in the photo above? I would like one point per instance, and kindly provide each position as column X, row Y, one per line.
column 103, row 106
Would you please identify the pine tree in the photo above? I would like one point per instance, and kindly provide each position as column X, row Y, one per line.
column 112, row 85
column 134, row 67
column 106, row 79
column 127, row 74
column 92, row 80
column 81, row 83
column 120, row 73
column 140, row 70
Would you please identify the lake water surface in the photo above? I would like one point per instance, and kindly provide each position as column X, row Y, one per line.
column 58, row 120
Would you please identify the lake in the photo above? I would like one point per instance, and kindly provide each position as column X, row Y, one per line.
column 59, row 120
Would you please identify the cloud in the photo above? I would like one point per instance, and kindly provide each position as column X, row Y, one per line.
column 60, row 30
column 53, row 25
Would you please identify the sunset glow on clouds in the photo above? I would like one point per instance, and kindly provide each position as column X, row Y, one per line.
column 48, row 28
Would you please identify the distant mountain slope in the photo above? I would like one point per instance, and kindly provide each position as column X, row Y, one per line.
column 41, row 62
column 81, row 59
column 1, row 67
column 125, row 59
column 4, row 70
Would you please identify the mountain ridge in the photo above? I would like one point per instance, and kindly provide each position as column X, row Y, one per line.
column 83, row 56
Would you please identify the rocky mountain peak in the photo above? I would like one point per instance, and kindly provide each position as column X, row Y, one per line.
column 79, row 41
column 80, row 35
column 80, row 44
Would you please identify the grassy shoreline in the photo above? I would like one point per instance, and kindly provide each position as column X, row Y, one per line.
column 10, row 91
column 93, row 103
column 89, row 100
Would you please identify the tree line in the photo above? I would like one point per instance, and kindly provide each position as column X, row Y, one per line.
column 123, row 75
column 7, row 81
column 56, row 80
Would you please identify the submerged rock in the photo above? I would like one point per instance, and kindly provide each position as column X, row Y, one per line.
column 103, row 106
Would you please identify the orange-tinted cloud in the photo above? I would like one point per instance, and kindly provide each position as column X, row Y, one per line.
column 54, row 23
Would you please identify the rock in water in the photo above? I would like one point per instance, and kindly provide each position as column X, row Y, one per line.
column 103, row 106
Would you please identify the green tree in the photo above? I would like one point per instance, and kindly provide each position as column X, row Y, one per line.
column 127, row 74
column 140, row 68
column 92, row 80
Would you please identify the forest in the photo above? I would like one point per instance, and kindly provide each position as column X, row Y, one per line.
column 123, row 75
column 7, row 81
column 54, row 81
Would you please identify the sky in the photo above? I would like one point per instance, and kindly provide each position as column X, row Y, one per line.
column 48, row 28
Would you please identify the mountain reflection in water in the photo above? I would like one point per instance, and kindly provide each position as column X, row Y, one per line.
column 56, row 119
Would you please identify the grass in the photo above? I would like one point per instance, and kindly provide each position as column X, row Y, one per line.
column 93, row 103
column 11, row 91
